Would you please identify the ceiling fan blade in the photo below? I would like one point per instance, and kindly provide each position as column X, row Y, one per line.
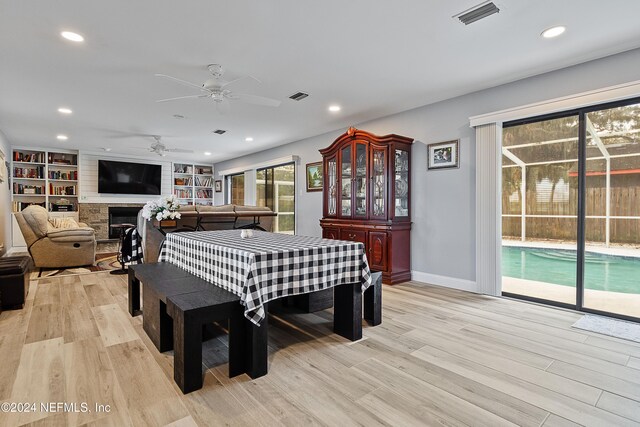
column 255, row 99
column 225, row 84
column 223, row 106
column 182, row 97
column 182, row 82
column 178, row 150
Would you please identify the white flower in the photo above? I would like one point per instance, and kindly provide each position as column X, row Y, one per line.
column 163, row 208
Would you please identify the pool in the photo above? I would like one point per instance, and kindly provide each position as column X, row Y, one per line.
column 558, row 266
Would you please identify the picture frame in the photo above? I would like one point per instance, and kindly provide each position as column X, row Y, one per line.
column 218, row 185
column 314, row 176
column 443, row 155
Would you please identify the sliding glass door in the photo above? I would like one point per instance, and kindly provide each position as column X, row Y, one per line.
column 612, row 200
column 540, row 210
column 275, row 188
column 235, row 189
column 571, row 209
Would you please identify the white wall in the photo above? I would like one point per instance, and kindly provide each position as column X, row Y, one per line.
column 443, row 208
column 88, row 170
column 5, row 198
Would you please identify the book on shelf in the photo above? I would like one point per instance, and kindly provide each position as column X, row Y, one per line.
column 28, row 157
column 63, row 159
column 29, row 172
column 19, row 206
column 27, row 189
column 64, row 175
column 204, row 182
column 62, row 190
column 204, row 170
column 182, row 193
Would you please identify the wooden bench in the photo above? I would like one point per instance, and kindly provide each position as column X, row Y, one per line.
column 149, row 273
column 176, row 307
column 190, row 312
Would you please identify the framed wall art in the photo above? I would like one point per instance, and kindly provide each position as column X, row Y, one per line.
column 218, row 185
column 314, row 176
column 443, row 155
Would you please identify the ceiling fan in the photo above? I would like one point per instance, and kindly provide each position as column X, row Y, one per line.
column 160, row 149
column 217, row 89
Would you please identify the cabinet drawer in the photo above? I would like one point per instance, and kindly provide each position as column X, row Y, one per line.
column 354, row 236
column 331, row 233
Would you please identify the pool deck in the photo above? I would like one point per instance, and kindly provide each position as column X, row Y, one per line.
column 614, row 302
column 625, row 251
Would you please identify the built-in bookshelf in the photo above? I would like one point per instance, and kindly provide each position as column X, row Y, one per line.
column 45, row 178
column 193, row 184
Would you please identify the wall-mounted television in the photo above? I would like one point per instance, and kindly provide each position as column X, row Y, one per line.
column 128, row 178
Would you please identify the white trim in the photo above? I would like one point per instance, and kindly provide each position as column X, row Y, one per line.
column 593, row 97
column 273, row 162
column 444, row 281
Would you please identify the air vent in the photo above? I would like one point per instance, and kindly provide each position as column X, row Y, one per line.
column 219, row 131
column 299, row 96
column 477, row 13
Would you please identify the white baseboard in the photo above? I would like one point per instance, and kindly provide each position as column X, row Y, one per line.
column 444, row 281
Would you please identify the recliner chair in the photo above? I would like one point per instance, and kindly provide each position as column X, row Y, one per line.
column 52, row 247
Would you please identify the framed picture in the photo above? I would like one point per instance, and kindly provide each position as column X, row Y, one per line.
column 218, row 185
column 314, row 176
column 443, row 155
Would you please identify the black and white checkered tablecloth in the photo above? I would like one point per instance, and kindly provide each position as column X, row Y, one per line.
column 268, row 265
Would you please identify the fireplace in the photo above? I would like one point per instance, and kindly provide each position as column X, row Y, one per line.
column 121, row 215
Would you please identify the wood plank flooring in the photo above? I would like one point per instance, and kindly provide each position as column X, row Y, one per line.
column 440, row 357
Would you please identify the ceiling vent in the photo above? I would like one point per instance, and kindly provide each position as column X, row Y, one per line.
column 219, row 131
column 299, row 96
column 477, row 13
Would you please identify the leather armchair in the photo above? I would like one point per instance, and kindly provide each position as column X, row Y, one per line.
column 52, row 247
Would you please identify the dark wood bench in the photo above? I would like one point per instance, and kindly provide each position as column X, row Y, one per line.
column 190, row 312
column 148, row 273
column 176, row 307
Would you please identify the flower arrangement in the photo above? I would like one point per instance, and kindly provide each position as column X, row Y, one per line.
column 161, row 209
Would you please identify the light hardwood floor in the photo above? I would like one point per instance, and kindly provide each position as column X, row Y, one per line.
column 440, row 357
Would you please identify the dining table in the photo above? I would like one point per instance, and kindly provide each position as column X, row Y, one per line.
column 261, row 267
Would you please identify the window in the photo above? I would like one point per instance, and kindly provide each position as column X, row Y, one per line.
column 235, row 189
column 276, row 189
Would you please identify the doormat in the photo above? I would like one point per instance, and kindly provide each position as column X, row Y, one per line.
column 608, row 326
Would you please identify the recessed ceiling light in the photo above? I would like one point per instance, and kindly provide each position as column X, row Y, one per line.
column 74, row 37
column 334, row 108
column 207, row 153
column 552, row 32
column 64, row 110
column 62, row 137
column 248, row 139
column 106, row 149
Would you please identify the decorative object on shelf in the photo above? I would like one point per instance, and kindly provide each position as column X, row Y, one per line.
column 218, row 185
column 367, row 198
column 314, row 176
column 443, row 155
column 165, row 208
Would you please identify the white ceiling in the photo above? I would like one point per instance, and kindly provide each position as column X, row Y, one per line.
column 372, row 57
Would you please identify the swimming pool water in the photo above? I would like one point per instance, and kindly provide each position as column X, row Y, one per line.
column 558, row 266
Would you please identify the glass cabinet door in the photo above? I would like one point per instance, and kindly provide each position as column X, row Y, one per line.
column 332, row 185
column 378, row 183
column 345, row 181
column 360, row 181
column 401, row 183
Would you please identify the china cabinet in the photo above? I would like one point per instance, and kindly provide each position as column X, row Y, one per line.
column 367, row 198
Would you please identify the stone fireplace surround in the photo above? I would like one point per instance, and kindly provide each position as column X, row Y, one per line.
column 96, row 216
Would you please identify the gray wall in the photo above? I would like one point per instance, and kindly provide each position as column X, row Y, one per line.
column 5, row 198
column 443, row 209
